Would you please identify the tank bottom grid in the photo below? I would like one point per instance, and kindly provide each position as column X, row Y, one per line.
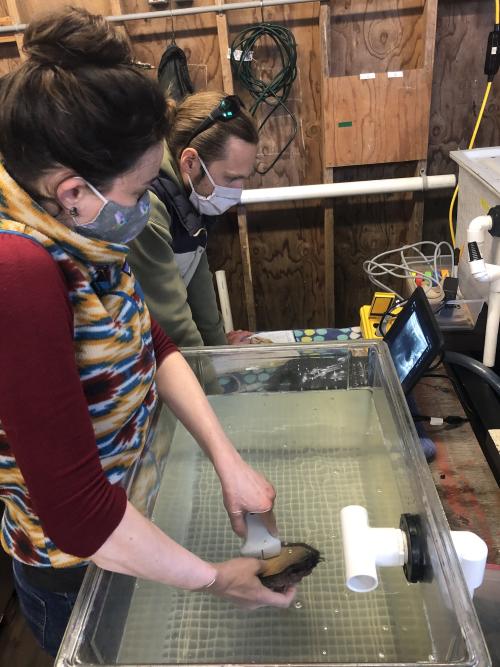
column 330, row 454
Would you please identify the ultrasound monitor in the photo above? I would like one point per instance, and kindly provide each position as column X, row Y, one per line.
column 414, row 340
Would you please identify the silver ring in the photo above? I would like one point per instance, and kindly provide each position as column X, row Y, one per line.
column 236, row 512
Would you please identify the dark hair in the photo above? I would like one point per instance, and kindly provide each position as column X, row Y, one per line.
column 78, row 101
column 184, row 117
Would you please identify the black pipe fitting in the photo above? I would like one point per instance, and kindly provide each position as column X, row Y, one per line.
column 494, row 214
column 416, row 567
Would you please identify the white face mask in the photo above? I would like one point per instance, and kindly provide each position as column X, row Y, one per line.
column 219, row 201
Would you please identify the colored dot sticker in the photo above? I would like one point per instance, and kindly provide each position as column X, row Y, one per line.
column 321, row 332
column 306, row 339
column 250, row 378
column 224, row 381
column 298, row 333
column 263, row 377
column 342, row 337
column 319, row 339
column 309, row 332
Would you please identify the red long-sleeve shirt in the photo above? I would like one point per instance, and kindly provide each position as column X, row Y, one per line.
column 43, row 409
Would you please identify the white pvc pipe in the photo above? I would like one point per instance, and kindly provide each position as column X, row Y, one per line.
column 472, row 552
column 479, row 271
column 495, row 251
column 184, row 11
column 225, row 304
column 365, row 548
column 483, row 273
column 492, row 323
column 477, row 227
column 349, row 189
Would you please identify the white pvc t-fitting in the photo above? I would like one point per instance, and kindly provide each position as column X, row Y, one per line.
column 472, row 552
column 365, row 548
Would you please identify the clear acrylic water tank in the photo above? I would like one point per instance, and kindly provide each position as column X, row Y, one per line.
column 329, row 426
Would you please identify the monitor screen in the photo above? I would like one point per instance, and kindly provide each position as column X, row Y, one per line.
column 409, row 346
column 414, row 339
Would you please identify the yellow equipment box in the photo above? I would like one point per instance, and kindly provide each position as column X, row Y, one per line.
column 371, row 316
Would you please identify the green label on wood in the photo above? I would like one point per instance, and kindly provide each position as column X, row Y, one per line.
column 345, row 123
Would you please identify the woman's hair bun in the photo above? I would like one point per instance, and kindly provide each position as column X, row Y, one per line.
column 75, row 38
column 171, row 110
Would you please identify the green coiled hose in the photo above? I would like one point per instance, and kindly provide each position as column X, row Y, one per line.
column 275, row 92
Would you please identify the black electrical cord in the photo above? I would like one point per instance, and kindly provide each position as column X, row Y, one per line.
column 451, row 420
column 382, row 327
column 275, row 92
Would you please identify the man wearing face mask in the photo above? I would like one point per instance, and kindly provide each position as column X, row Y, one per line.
column 212, row 146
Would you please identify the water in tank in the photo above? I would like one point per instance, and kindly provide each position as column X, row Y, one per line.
column 329, row 426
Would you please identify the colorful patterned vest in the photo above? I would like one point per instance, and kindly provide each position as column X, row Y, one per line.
column 113, row 352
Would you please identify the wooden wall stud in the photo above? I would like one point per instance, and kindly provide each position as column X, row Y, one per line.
column 247, row 269
column 328, row 217
column 17, row 37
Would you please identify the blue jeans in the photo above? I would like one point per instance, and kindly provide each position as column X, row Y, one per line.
column 46, row 613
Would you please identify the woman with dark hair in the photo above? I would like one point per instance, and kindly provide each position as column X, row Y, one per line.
column 82, row 364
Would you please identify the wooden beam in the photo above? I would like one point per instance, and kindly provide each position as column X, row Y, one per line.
column 329, row 235
column 13, row 12
column 5, row 39
column 247, row 269
column 328, row 217
column 225, row 64
column 227, row 81
column 415, row 232
column 324, row 39
column 116, row 10
column 430, row 18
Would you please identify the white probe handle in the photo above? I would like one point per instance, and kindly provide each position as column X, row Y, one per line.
column 259, row 542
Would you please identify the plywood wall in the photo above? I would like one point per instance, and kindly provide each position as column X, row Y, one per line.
column 287, row 244
column 457, row 93
column 365, row 226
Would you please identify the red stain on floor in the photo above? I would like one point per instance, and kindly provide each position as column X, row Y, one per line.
column 460, row 500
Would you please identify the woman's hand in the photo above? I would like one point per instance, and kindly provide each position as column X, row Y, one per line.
column 246, row 490
column 238, row 582
column 238, row 337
